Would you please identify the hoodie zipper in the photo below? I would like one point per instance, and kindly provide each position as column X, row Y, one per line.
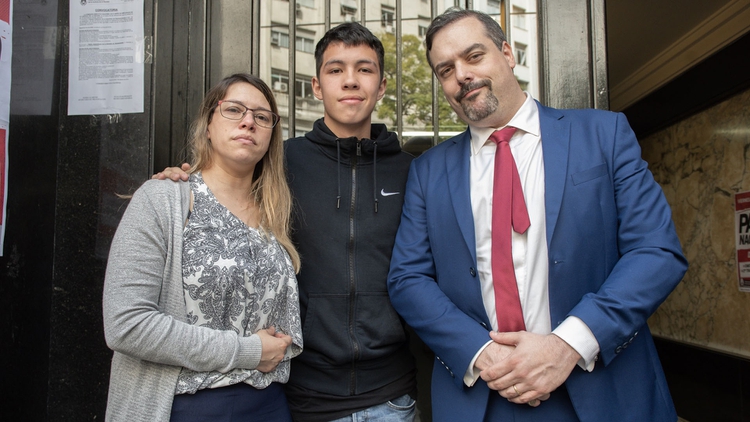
column 352, row 272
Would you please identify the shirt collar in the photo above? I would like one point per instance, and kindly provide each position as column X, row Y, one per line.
column 526, row 119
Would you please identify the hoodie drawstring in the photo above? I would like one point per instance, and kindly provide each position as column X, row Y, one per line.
column 375, row 174
column 338, row 168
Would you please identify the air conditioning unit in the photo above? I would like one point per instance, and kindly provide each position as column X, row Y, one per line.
column 280, row 86
column 389, row 29
column 349, row 18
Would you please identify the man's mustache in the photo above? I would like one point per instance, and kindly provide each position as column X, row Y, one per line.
column 472, row 86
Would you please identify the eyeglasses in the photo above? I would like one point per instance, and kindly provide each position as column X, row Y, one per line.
column 233, row 110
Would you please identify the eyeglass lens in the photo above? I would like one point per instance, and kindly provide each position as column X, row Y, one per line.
column 236, row 111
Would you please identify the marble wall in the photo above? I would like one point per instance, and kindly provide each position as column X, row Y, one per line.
column 701, row 162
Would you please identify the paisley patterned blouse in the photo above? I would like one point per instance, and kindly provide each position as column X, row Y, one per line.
column 235, row 278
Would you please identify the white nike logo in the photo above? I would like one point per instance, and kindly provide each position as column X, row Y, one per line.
column 384, row 193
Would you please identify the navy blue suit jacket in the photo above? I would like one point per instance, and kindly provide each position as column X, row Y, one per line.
column 614, row 257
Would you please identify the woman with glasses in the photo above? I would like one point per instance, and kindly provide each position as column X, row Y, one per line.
column 200, row 297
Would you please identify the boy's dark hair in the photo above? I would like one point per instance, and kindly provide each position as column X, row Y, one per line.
column 351, row 34
column 491, row 28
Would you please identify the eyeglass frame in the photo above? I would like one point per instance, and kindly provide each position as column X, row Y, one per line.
column 276, row 117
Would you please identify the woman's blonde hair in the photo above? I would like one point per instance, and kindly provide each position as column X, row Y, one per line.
column 269, row 188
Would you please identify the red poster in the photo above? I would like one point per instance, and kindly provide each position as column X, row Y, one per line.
column 742, row 237
column 3, row 149
column 5, row 10
column 6, row 50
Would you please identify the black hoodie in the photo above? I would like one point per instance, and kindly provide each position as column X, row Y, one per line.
column 347, row 207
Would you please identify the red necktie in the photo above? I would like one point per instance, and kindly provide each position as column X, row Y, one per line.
column 508, row 209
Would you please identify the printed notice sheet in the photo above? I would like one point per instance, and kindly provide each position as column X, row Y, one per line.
column 34, row 57
column 105, row 66
column 742, row 231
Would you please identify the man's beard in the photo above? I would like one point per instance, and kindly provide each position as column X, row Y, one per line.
column 478, row 110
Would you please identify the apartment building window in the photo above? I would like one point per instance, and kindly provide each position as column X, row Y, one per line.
column 303, row 87
column 302, row 84
column 279, row 80
column 422, row 30
column 388, row 14
column 348, row 7
column 305, row 44
column 520, row 50
column 279, row 39
column 518, row 17
column 493, row 7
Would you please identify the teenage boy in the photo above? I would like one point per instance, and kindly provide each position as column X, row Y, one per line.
column 347, row 177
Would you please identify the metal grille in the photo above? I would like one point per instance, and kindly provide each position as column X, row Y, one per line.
column 285, row 32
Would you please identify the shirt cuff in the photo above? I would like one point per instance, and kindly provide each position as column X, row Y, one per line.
column 472, row 373
column 577, row 334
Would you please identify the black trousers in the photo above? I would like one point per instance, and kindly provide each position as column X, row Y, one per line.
column 235, row 403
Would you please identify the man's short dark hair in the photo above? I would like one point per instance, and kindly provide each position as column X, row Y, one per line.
column 351, row 34
column 491, row 28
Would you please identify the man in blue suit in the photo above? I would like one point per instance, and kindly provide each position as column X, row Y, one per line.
column 598, row 258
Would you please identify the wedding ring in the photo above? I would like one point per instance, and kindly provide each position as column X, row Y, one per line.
column 516, row 390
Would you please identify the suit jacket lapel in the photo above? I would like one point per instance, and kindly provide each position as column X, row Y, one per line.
column 457, row 167
column 555, row 131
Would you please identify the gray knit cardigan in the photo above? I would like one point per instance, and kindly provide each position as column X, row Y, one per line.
column 144, row 310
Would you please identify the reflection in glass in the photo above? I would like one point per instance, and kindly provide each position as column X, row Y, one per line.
column 518, row 18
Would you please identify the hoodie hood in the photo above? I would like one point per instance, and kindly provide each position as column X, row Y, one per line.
column 381, row 142
column 343, row 150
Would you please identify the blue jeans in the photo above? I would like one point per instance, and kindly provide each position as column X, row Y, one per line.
column 402, row 409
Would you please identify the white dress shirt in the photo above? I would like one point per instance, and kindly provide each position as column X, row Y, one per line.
column 530, row 257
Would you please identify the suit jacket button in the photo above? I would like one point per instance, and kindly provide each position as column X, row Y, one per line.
column 618, row 350
column 473, row 272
